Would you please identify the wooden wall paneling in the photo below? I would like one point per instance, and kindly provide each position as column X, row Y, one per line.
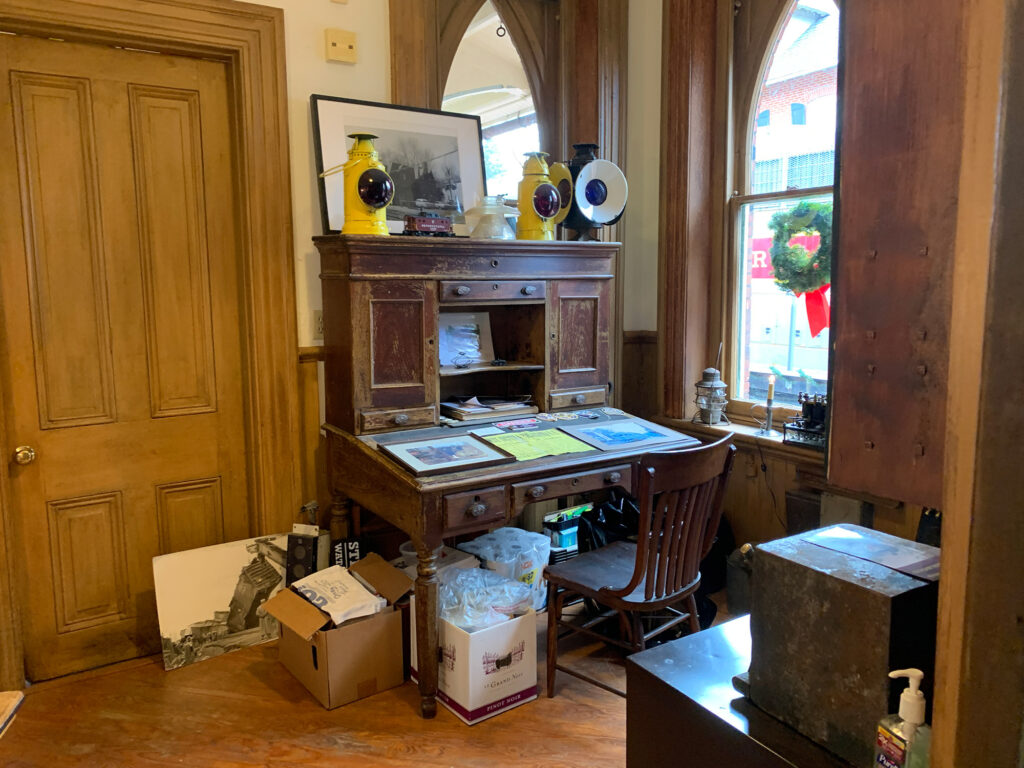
column 312, row 445
column 639, row 390
column 686, row 250
column 901, row 91
column 979, row 698
column 250, row 40
column 414, row 53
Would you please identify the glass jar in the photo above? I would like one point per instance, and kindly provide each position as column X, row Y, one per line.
column 488, row 221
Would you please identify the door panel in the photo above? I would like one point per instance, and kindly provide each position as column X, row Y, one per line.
column 168, row 177
column 401, row 362
column 579, row 314
column 122, row 348
column 67, row 293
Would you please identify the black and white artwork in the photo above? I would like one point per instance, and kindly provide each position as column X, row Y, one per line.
column 435, row 158
column 425, row 168
column 210, row 600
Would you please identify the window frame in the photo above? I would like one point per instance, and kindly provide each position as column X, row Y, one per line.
column 743, row 114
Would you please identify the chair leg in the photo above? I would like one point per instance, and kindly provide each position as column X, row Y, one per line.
column 554, row 614
column 639, row 643
column 691, row 601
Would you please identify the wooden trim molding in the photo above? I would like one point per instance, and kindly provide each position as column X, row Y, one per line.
column 312, row 354
column 688, row 140
column 424, row 43
column 980, row 663
column 249, row 39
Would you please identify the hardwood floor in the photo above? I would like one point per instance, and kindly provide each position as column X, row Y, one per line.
column 245, row 709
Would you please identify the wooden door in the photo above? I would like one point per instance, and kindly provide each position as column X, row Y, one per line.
column 579, row 318
column 119, row 280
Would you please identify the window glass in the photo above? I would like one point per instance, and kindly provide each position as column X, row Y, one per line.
column 796, row 115
column 487, row 79
column 780, row 333
column 784, row 289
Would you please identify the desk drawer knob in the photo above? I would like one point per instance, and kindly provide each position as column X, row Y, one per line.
column 402, row 418
column 537, row 491
column 578, row 399
column 462, row 290
column 475, row 510
column 613, row 477
column 529, row 290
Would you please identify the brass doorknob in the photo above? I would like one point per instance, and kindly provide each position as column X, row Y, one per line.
column 24, row 454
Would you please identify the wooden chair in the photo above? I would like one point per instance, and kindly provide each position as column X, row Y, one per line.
column 680, row 504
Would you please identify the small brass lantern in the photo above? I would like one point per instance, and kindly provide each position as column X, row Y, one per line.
column 711, row 398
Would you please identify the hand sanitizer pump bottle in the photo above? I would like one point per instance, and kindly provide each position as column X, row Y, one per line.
column 903, row 740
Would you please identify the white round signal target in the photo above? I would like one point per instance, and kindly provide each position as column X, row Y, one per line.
column 601, row 191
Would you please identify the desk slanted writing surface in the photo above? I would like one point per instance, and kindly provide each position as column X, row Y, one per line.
column 551, row 315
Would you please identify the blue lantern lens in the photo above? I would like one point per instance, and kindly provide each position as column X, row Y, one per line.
column 596, row 192
column 545, row 201
column 375, row 188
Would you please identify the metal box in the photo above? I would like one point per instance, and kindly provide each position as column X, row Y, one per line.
column 828, row 626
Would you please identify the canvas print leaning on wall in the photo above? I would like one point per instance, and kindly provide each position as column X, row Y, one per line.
column 210, row 600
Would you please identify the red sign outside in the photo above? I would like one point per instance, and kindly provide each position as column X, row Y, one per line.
column 761, row 250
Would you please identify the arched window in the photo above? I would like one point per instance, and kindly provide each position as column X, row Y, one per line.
column 487, row 79
column 784, row 333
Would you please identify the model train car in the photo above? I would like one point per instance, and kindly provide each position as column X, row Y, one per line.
column 428, row 223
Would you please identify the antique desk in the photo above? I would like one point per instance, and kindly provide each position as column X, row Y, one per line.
column 681, row 698
column 550, row 310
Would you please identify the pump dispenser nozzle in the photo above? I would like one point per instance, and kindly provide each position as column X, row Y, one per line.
column 912, row 704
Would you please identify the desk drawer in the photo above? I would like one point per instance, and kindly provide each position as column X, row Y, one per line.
column 474, row 508
column 620, row 475
column 491, row 290
column 577, row 398
column 396, row 418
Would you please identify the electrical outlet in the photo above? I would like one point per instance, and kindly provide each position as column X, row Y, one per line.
column 318, row 325
column 341, row 45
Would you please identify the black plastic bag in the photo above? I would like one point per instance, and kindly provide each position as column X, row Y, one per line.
column 616, row 519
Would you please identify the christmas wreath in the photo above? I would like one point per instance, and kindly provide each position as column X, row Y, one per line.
column 795, row 269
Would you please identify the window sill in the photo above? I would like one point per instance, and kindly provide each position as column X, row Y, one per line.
column 745, row 436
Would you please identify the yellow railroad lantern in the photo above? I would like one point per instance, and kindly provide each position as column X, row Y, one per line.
column 545, row 195
column 367, row 187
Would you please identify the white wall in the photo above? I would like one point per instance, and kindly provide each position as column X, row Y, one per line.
column 643, row 133
column 309, row 72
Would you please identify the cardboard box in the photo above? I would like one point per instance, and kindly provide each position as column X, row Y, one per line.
column 449, row 558
column 487, row 672
column 352, row 661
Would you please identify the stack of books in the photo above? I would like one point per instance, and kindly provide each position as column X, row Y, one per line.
column 485, row 408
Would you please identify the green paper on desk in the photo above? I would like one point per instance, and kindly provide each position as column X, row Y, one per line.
column 535, row 445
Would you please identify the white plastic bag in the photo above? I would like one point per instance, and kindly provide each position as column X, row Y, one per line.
column 472, row 598
column 517, row 554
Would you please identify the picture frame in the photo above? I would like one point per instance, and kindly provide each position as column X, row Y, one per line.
column 435, row 158
column 441, row 455
column 622, row 433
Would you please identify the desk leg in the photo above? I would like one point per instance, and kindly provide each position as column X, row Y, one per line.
column 426, row 627
column 339, row 520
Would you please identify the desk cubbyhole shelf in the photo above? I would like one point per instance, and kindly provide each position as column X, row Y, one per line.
column 518, row 333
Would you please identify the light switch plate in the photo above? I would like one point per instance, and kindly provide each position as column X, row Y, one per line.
column 341, row 45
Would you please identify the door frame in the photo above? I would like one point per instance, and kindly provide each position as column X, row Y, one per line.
column 249, row 40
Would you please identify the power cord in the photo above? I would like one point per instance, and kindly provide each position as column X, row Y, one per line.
column 771, row 491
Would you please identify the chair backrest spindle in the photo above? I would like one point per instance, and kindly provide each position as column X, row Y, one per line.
column 680, row 499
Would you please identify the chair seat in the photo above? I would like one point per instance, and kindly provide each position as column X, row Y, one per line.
column 610, row 566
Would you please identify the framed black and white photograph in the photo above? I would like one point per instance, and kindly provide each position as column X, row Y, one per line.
column 622, row 433
column 438, row 455
column 435, row 158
